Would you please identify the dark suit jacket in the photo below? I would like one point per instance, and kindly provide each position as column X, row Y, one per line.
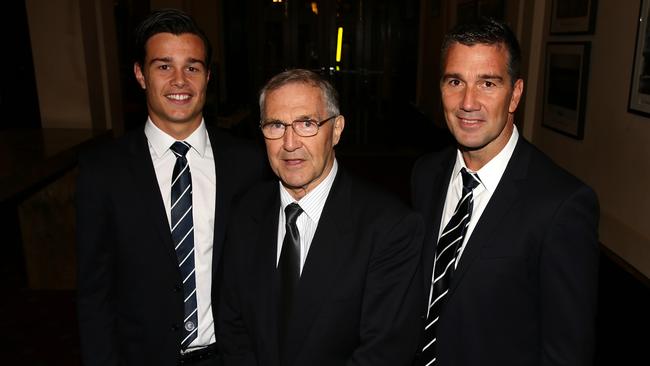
column 130, row 298
column 359, row 294
column 524, row 291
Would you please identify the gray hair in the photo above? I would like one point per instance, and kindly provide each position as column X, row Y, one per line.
column 302, row 76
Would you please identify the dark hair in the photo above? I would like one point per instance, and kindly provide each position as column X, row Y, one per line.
column 172, row 21
column 302, row 76
column 486, row 31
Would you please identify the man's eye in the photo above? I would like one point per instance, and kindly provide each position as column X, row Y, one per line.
column 307, row 123
column 454, row 82
column 489, row 84
column 193, row 69
column 275, row 125
column 163, row 67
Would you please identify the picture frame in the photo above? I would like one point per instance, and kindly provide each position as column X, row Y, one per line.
column 639, row 98
column 573, row 16
column 565, row 87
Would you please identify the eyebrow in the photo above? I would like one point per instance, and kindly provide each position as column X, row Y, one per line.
column 300, row 118
column 455, row 75
column 190, row 60
column 491, row 77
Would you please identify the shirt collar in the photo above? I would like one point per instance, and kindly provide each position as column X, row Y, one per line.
column 313, row 202
column 490, row 174
column 160, row 141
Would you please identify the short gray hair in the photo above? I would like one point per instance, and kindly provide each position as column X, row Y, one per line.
column 302, row 76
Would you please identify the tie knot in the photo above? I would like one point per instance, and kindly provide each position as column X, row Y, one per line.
column 292, row 211
column 469, row 180
column 180, row 148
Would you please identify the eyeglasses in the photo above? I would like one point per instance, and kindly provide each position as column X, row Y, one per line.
column 274, row 130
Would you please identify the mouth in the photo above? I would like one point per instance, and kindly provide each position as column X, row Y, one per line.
column 292, row 162
column 469, row 121
column 178, row 97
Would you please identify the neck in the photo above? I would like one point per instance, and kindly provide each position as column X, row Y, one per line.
column 179, row 131
column 476, row 159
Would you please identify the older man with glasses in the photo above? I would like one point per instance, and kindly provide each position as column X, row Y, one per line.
column 320, row 268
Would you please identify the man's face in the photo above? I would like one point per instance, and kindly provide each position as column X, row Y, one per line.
column 175, row 79
column 301, row 163
column 478, row 97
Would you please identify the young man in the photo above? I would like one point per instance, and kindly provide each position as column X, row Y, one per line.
column 510, row 260
column 321, row 269
column 152, row 209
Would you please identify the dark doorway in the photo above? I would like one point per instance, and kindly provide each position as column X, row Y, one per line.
column 18, row 95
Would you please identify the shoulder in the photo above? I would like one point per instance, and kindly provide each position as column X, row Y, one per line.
column 223, row 141
column 110, row 151
column 547, row 181
column 541, row 168
column 368, row 201
column 259, row 196
column 244, row 158
column 434, row 161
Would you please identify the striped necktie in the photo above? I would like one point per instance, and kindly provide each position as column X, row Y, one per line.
column 447, row 250
column 183, row 237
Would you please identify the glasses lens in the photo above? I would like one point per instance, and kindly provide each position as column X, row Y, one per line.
column 273, row 130
column 305, row 128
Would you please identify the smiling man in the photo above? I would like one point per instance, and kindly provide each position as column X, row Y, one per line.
column 320, row 268
column 151, row 212
column 510, row 259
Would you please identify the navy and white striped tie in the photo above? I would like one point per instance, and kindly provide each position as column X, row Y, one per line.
column 447, row 250
column 183, row 237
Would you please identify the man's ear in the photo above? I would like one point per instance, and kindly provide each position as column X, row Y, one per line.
column 339, row 125
column 139, row 76
column 517, row 91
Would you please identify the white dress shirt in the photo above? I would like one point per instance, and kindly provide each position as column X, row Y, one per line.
column 201, row 161
column 489, row 176
column 312, row 205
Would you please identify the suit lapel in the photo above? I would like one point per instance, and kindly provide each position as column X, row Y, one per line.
column 440, row 183
column 506, row 194
column 146, row 184
column 331, row 243
column 222, row 168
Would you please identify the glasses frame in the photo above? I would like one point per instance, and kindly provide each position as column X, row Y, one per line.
column 318, row 124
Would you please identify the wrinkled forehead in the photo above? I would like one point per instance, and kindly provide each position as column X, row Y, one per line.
column 294, row 100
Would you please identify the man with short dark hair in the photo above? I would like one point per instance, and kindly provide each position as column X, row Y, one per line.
column 320, row 268
column 152, row 208
column 510, row 260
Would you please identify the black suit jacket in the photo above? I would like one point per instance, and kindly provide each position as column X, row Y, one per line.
column 359, row 294
column 524, row 291
column 130, row 298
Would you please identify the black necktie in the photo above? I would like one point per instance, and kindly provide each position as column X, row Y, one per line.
column 447, row 250
column 289, row 267
column 183, row 237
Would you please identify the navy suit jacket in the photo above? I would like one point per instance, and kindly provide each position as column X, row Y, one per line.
column 130, row 298
column 359, row 294
column 524, row 290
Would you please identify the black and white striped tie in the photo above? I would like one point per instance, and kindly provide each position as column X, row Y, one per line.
column 183, row 237
column 447, row 250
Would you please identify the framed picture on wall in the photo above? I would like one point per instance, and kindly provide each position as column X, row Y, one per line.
column 639, row 100
column 573, row 17
column 565, row 87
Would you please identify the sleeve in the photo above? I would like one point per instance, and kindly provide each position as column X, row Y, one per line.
column 233, row 337
column 390, row 320
column 94, row 269
column 569, row 281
